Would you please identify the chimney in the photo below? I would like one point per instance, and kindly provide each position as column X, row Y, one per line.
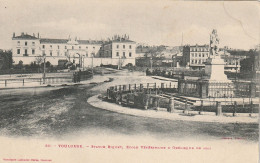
column 38, row 35
column 14, row 34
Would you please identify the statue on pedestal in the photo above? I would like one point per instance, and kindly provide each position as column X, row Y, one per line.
column 214, row 42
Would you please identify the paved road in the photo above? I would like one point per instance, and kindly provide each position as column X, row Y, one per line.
column 61, row 112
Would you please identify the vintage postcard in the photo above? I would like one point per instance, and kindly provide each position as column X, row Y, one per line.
column 129, row 81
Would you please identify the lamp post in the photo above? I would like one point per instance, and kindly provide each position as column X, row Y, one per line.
column 151, row 63
column 44, row 66
column 118, row 67
column 92, row 55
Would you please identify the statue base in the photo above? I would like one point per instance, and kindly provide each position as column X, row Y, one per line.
column 218, row 85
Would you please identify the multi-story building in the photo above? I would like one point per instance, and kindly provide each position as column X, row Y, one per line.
column 26, row 47
column 195, row 57
column 120, row 47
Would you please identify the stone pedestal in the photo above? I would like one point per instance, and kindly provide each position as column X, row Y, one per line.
column 218, row 85
column 214, row 68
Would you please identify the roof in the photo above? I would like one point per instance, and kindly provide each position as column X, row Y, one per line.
column 89, row 42
column 25, row 36
column 65, row 41
column 120, row 41
column 54, row 41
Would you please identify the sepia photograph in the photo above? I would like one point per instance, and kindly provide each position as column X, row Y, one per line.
column 117, row 81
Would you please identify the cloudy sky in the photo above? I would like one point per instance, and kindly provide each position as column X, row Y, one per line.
column 151, row 22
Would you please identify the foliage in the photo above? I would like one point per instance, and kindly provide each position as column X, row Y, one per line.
column 6, row 60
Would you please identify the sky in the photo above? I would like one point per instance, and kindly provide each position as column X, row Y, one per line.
column 149, row 22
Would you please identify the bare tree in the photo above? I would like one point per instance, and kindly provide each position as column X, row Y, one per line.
column 39, row 60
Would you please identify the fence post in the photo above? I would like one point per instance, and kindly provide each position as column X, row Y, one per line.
column 171, row 105
column 235, row 109
column 201, row 107
column 135, row 87
column 128, row 99
column 219, row 108
column 23, row 82
column 185, row 111
column 108, row 94
column 147, row 85
column 129, row 87
column 40, row 81
column 5, row 83
column 146, row 101
column 141, row 87
column 162, row 85
column 251, row 108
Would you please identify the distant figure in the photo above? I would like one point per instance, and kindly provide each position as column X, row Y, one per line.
column 214, row 43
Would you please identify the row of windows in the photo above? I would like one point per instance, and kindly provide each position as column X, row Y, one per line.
column 25, row 51
column 130, row 54
column 130, row 46
column 199, row 61
column 199, row 55
column 198, row 49
column 65, row 47
column 25, row 43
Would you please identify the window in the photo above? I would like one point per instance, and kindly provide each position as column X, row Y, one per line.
column 86, row 54
column 123, row 46
column 199, row 61
column 117, row 46
column 79, row 47
column 130, row 54
column 18, row 43
column 203, row 55
column 33, row 43
column 86, row 47
column 50, row 46
column 124, row 54
column 25, row 43
column 130, row 47
column 195, row 61
column 195, row 54
column 93, row 47
column 58, row 47
column 25, row 51
column 33, row 51
column 199, row 55
column 192, row 54
column 18, row 51
column 65, row 47
column 43, row 46
column 72, row 47
column 117, row 54
column 50, row 53
column 58, row 53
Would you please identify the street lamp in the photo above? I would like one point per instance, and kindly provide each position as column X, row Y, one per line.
column 151, row 61
column 44, row 65
column 92, row 55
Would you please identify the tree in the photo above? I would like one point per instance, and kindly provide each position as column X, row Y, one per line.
column 6, row 60
column 39, row 60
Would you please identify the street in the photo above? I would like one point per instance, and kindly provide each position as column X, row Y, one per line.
column 61, row 112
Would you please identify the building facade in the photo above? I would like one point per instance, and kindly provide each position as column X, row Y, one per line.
column 195, row 57
column 26, row 47
column 120, row 47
